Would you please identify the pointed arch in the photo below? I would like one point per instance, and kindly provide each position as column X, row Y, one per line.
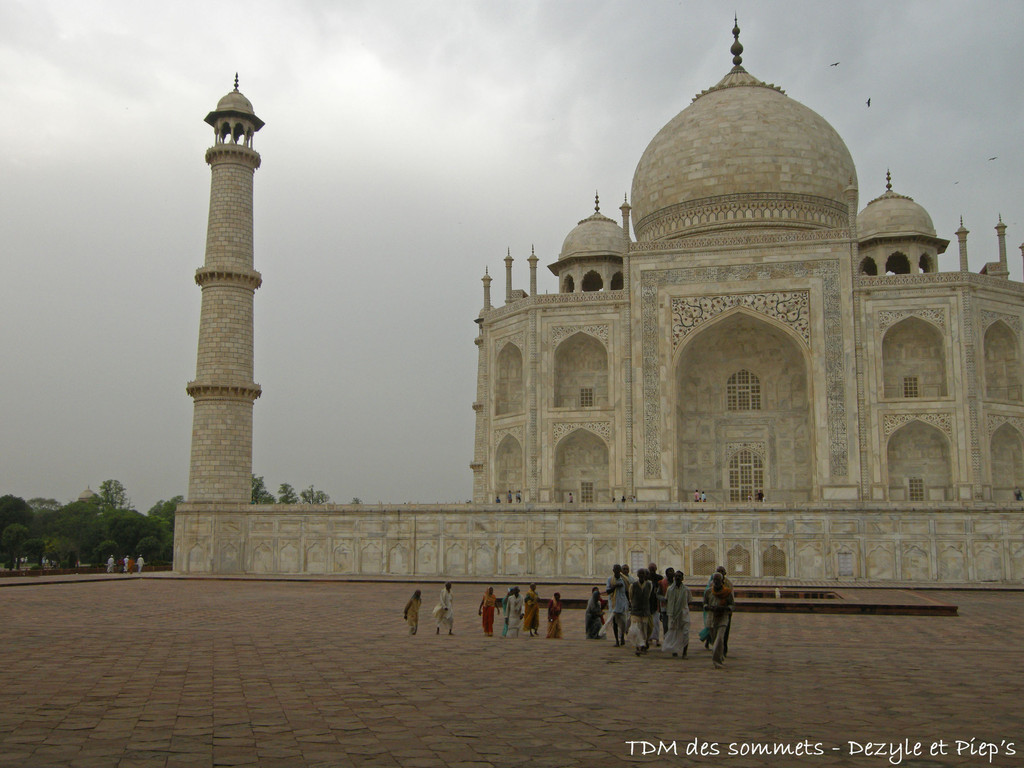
column 581, row 463
column 897, row 264
column 703, row 561
column 592, row 282
column 914, row 360
column 508, row 466
column 773, row 562
column 918, row 463
column 1006, row 451
column 868, row 266
column 746, row 475
column 568, row 285
column 581, row 372
column 711, row 427
column 1002, row 363
column 508, row 385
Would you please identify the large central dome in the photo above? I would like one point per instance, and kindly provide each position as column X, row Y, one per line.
column 742, row 154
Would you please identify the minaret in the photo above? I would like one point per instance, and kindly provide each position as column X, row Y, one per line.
column 223, row 390
column 508, row 277
column 1004, row 270
column 961, row 236
column 533, row 271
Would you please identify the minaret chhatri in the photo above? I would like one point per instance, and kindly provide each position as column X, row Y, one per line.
column 223, row 390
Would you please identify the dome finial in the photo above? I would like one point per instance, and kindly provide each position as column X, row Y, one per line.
column 888, row 181
column 236, row 81
column 737, row 46
column 597, row 202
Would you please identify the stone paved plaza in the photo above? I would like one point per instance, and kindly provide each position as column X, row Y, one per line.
column 154, row 671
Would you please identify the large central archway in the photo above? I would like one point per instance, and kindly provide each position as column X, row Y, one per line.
column 743, row 413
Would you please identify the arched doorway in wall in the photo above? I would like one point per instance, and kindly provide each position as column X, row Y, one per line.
column 581, row 468
column 508, row 467
column 743, row 396
column 592, row 282
column 508, row 386
column 897, row 264
column 1002, row 363
column 581, row 373
column 1007, row 457
column 917, row 460
column 914, row 360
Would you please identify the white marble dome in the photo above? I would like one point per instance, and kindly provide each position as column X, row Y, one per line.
column 235, row 102
column 742, row 154
column 596, row 235
column 894, row 215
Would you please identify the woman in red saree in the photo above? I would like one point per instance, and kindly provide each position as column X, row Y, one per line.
column 487, row 611
column 554, row 617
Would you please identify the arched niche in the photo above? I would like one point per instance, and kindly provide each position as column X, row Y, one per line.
column 568, row 284
column 581, row 373
column 1007, row 458
column 914, row 360
column 581, row 463
column 703, row 561
column 508, row 386
column 897, row 264
column 1002, row 363
column 868, row 266
column 773, row 562
column 616, row 282
column 746, row 476
column 926, row 263
column 508, row 467
column 592, row 282
column 917, row 459
column 708, row 431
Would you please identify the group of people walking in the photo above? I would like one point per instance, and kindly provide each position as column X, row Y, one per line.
column 651, row 609
column 646, row 609
column 127, row 564
column 515, row 612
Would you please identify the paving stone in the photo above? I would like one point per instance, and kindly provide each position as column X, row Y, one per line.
column 300, row 673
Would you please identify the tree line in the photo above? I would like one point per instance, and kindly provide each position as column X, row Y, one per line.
column 286, row 494
column 87, row 530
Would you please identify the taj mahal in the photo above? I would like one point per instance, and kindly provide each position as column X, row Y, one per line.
column 744, row 332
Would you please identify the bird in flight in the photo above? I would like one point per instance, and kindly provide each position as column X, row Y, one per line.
column 996, row 157
column 869, row 102
column 834, row 65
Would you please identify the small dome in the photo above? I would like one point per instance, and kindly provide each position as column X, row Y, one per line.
column 742, row 154
column 87, row 495
column 596, row 235
column 235, row 102
column 893, row 215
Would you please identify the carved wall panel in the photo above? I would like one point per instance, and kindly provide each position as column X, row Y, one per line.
column 791, row 308
column 825, row 270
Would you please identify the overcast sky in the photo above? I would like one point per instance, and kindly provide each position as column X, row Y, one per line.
column 407, row 145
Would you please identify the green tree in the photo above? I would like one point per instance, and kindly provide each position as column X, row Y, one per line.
column 105, row 549
column 260, row 494
column 13, row 539
column 151, row 548
column 14, row 509
column 33, row 549
column 163, row 513
column 113, row 495
column 286, row 494
column 312, row 496
column 81, row 523
column 59, row 550
column 356, row 500
column 129, row 527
